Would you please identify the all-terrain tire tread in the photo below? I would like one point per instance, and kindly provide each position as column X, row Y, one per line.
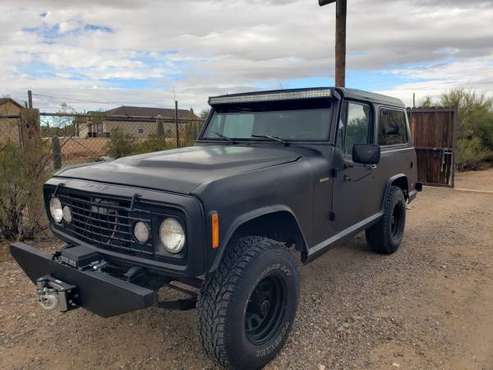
column 218, row 288
column 378, row 236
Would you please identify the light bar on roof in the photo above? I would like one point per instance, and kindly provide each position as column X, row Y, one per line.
column 270, row 97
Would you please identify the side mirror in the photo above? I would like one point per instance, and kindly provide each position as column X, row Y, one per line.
column 366, row 154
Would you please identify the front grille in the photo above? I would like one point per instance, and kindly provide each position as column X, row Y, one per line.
column 105, row 222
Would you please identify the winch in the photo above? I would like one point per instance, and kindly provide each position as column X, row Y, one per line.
column 54, row 294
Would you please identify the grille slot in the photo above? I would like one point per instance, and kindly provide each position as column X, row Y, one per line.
column 105, row 222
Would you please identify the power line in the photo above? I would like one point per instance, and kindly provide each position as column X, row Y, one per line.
column 74, row 100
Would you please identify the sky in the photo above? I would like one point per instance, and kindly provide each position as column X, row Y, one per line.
column 99, row 54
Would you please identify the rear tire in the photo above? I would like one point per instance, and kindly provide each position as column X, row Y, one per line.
column 385, row 237
column 248, row 305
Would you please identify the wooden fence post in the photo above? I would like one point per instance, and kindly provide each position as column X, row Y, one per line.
column 57, row 152
column 30, row 130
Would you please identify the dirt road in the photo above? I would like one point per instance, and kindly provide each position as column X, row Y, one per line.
column 430, row 306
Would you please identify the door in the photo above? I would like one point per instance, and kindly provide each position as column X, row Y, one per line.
column 354, row 184
column 433, row 131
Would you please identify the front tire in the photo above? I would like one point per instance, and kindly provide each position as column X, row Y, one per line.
column 386, row 236
column 248, row 305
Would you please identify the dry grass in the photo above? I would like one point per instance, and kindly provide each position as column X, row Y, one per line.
column 83, row 149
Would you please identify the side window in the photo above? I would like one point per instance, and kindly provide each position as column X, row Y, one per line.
column 354, row 127
column 392, row 129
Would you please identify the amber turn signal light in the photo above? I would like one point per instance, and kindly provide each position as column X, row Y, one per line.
column 215, row 229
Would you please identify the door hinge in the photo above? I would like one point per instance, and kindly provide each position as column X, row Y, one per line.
column 332, row 216
column 333, row 173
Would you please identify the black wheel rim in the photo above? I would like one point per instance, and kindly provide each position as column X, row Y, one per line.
column 266, row 310
column 397, row 221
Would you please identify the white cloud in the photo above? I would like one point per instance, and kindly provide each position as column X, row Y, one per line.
column 228, row 45
column 433, row 80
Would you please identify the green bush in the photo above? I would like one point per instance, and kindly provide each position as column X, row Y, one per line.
column 22, row 175
column 121, row 144
column 485, row 132
column 191, row 133
column 470, row 154
column 151, row 144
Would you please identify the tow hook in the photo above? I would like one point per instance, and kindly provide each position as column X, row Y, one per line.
column 54, row 294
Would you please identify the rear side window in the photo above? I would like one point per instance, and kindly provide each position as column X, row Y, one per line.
column 392, row 128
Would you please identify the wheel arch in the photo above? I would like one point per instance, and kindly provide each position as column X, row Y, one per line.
column 259, row 223
column 401, row 181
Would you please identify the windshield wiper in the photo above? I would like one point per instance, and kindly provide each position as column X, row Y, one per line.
column 223, row 137
column 273, row 138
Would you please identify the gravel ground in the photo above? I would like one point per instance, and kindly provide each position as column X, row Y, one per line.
column 429, row 306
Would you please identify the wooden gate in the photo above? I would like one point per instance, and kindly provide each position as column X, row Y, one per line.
column 433, row 130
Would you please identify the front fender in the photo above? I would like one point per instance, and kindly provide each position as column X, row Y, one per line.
column 247, row 217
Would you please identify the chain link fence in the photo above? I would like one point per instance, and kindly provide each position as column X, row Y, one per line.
column 33, row 145
column 93, row 137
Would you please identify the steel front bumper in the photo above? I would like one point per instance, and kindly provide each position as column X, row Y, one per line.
column 98, row 292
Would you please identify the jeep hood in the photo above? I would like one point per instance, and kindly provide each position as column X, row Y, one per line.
column 183, row 170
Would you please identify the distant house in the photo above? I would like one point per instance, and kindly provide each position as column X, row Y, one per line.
column 140, row 122
column 9, row 127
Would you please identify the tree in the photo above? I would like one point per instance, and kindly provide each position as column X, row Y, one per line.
column 427, row 102
column 60, row 125
column 204, row 114
column 475, row 126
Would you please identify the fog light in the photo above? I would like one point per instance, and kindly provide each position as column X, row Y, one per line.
column 141, row 232
column 67, row 214
column 56, row 210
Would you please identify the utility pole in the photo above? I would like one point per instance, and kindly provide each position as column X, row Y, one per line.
column 341, row 22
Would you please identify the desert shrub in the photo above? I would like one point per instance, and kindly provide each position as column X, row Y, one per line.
column 191, row 133
column 121, row 144
column 470, row 154
column 485, row 132
column 22, row 174
column 151, row 144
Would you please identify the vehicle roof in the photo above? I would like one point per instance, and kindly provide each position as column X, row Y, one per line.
column 373, row 97
column 328, row 91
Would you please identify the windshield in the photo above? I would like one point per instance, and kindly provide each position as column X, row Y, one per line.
column 289, row 124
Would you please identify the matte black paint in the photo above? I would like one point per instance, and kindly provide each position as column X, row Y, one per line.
column 366, row 154
column 324, row 191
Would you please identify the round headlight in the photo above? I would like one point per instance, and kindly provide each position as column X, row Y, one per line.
column 56, row 210
column 67, row 214
column 141, row 232
column 172, row 235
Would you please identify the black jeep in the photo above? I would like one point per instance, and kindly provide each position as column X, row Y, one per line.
column 271, row 171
